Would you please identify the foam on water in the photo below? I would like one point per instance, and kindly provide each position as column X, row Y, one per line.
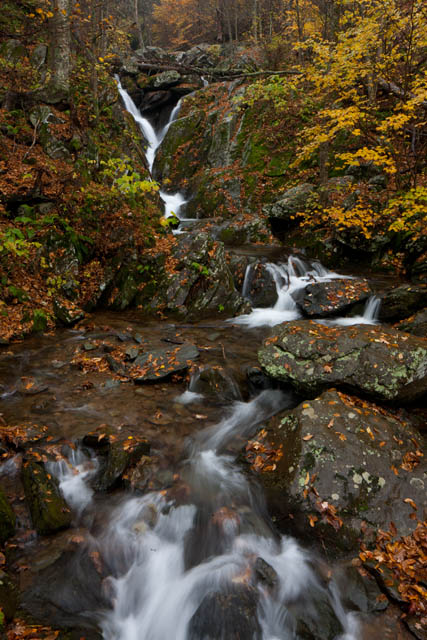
column 73, row 475
column 289, row 279
column 154, row 595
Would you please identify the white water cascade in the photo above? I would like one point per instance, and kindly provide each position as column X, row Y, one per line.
column 288, row 278
column 166, row 557
column 369, row 316
column 173, row 202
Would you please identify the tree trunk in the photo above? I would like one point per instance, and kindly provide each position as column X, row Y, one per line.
column 60, row 47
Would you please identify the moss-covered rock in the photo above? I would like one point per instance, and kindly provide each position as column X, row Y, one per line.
column 401, row 302
column 322, row 299
column 49, row 511
column 345, row 461
column 376, row 361
column 7, row 518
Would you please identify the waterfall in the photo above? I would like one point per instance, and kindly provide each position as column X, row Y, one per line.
column 173, row 203
column 288, row 278
column 369, row 316
column 163, row 566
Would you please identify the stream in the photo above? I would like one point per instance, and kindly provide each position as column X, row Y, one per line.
column 195, row 555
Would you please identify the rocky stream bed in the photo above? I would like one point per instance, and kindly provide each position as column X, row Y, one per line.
column 199, row 478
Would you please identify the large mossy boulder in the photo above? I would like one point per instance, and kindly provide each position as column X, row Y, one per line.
column 401, row 302
column 48, row 509
column 379, row 362
column 416, row 324
column 202, row 283
column 7, row 518
column 293, row 201
column 322, row 299
column 348, row 468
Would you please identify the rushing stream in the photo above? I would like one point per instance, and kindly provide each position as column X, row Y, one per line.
column 168, row 557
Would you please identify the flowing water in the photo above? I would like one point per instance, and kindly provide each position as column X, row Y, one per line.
column 205, row 531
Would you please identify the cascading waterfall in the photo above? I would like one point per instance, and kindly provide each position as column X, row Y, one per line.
column 166, row 557
column 173, row 202
column 369, row 316
column 288, row 278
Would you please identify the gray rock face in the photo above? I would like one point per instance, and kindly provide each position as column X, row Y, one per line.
column 401, row 302
column 376, row 361
column 293, row 201
column 166, row 79
column 217, row 384
column 162, row 363
column 203, row 283
column 345, row 461
column 232, row 614
column 416, row 324
column 322, row 299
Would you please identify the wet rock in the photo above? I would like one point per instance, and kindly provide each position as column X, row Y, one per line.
column 265, row 573
column 139, row 477
column 416, row 324
column 243, row 230
column 314, row 617
column 162, row 363
column 260, row 285
column 380, row 362
column 66, row 593
column 293, row 201
column 9, row 595
column 116, row 455
column 7, row 518
column 322, row 299
column 359, row 590
column 345, row 462
column 216, row 383
column 228, row 614
column 49, row 511
column 402, row 302
column 66, row 312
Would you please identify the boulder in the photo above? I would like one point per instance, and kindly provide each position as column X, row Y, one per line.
column 243, row 230
column 38, row 56
column 7, row 518
column 216, row 383
column 66, row 312
column 159, row 364
column 348, row 468
column 379, row 362
column 49, row 511
column 13, row 50
column 401, row 302
column 293, row 201
column 228, row 614
column 166, row 79
column 202, row 283
column 260, row 287
column 416, row 324
column 116, row 454
column 322, row 299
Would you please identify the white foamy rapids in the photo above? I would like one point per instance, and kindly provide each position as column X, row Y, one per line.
column 147, row 542
column 173, row 203
column 188, row 397
column 288, row 279
column 73, row 475
column 370, row 315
